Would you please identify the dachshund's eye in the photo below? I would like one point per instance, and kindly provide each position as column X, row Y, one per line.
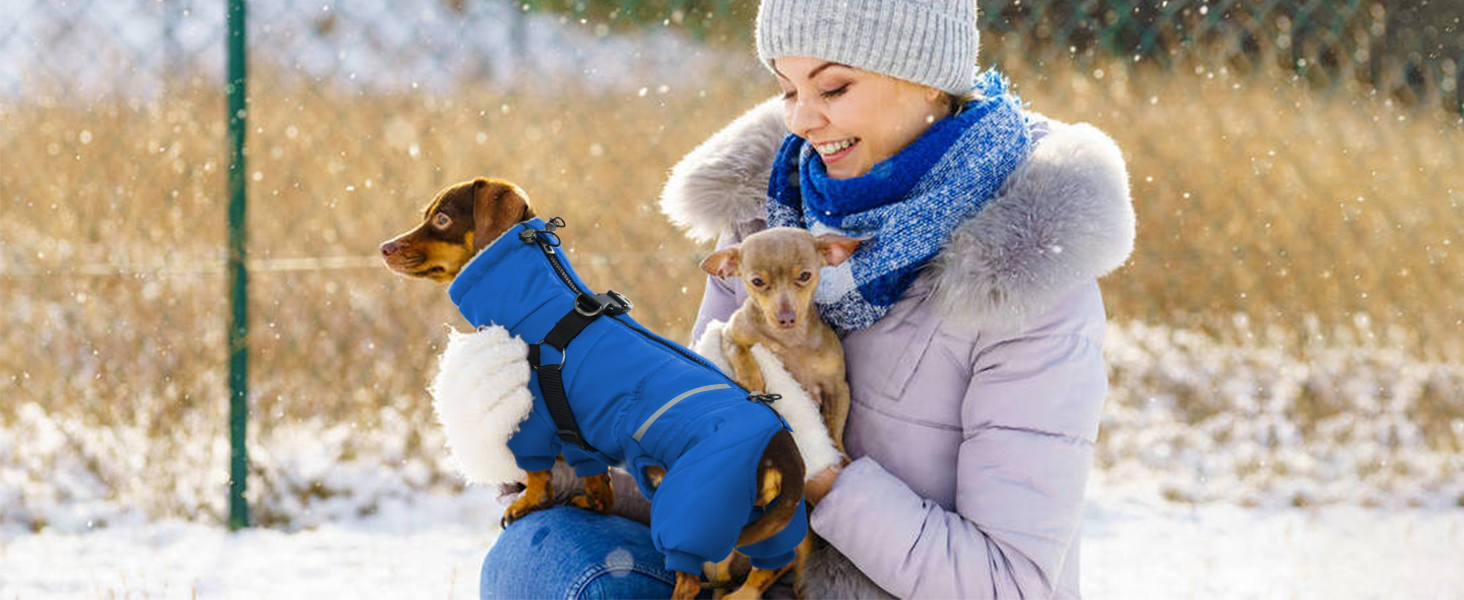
column 441, row 221
column 757, row 282
column 805, row 276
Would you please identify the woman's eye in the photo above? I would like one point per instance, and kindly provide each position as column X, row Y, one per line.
column 790, row 94
column 836, row 91
column 441, row 221
column 805, row 276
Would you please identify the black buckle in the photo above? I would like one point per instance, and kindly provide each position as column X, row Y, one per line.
column 610, row 303
column 573, row 437
column 767, row 399
column 625, row 303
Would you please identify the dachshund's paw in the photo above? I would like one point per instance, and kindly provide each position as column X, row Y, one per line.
column 509, row 516
column 687, row 586
column 520, row 509
column 589, row 502
column 745, row 592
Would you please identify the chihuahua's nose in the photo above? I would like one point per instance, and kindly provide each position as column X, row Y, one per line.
column 388, row 248
column 787, row 318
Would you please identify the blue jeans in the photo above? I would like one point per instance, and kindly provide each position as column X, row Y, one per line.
column 565, row 552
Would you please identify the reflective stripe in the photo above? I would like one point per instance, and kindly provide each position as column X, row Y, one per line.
column 647, row 425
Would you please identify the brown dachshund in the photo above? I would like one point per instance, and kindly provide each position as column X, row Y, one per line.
column 456, row 225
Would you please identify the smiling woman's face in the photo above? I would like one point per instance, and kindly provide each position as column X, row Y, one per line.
column 853, row 118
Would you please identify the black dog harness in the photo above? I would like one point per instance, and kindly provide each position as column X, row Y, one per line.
column 587, row 308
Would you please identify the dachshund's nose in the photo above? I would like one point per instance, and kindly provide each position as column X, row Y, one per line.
column 388, row 248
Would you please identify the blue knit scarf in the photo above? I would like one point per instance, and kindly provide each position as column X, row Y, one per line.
column 909, row 203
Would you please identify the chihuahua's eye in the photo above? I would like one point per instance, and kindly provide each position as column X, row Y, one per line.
column 441, row 221
column 805, row 276
column 757, row 282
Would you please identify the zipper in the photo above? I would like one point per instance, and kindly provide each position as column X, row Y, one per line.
column 568, row 281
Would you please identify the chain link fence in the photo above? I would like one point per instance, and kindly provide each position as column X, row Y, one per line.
column 1294, row 166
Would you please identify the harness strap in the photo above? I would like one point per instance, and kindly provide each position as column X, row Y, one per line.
column 587, row 308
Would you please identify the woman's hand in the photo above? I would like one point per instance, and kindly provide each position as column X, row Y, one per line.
column 816, row 488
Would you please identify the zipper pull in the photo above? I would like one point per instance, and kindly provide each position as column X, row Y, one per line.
column 548, row 240
column 767, row 399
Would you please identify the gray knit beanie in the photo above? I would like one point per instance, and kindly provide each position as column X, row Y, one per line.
column 930, row 42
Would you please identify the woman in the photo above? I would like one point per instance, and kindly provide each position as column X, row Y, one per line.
column 971, row 320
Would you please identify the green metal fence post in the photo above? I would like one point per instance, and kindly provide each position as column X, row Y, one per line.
column 239, row 277
column 1459, row 82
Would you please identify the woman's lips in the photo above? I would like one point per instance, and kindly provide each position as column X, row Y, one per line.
column 832, row 158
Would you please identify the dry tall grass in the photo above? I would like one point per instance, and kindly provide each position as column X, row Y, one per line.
column 1256, row 196
column 1253, row 197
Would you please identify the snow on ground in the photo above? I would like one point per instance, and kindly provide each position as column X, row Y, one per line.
column 1215, row 476
column 1135, row 545
column 431, row 549
column 1138, row 546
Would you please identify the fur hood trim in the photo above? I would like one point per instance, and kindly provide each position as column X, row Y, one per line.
column 723, row 182
column 1063, row 217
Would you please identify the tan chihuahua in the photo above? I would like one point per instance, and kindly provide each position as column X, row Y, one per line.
column 780, row 269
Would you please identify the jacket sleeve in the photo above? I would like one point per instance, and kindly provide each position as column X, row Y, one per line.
column 1029, row 419
column 583, row 462
column 534, row 445
column 778, row 550
column 681, row 528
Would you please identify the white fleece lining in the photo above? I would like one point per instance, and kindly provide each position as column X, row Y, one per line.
column 480, row 395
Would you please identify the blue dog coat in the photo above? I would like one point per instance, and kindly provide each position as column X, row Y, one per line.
column 640, row 400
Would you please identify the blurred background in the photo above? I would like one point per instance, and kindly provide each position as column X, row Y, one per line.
column 1288, row 333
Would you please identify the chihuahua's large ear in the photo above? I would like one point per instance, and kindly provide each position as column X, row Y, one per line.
column 835, row 248
column 497, row 206
column 723, row 263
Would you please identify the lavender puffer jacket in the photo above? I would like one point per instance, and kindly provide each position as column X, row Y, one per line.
column 976, row 399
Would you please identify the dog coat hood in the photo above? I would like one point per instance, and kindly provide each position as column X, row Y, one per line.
column 639, row 400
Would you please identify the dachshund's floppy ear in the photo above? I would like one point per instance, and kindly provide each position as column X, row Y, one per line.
column 497, row 206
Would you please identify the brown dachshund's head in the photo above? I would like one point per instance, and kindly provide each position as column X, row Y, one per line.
column 461, row 221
